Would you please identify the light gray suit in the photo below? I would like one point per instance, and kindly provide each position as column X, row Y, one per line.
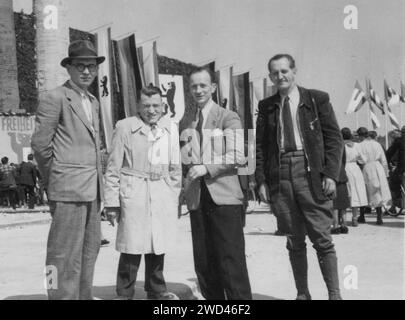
column 215, row 204
column 222, row 180
column 67, row 148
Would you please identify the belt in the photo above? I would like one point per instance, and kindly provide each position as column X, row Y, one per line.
column 298, row 153
column 144, row 175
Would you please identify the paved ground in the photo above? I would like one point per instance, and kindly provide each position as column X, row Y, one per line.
column 370, row 258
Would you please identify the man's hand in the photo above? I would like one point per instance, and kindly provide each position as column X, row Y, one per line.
column 196, row 172
column 112, row 213
column 264, row 193
column 328, row 187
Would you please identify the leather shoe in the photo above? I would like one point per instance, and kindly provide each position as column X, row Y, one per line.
column 162, row 296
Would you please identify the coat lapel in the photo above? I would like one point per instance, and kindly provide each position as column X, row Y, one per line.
column 210, row 124
column 76, row 105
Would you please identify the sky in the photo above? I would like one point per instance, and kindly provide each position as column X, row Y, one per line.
column 246, row 33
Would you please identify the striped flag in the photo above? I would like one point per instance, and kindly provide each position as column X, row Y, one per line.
column 402, row 96
column 375, row 98
column 357, row 99
column 225, row 87
column 374, row 119
column 256, row 94
column 393, row 119
column 130, row 72
column 391, row 96
column 147, row 54
column 104, row 48
column 242, row 99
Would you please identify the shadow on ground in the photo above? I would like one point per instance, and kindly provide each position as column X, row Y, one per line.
column 183, row 291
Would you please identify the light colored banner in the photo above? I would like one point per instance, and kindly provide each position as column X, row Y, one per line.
column 149, row 64
column 15, row 137
column 104, row 78
column 173, row 95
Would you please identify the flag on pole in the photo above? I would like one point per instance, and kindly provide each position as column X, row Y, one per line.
column 242, row 99
column 225, row 87
column 402, row 96
column 374, row 119
column 131, row 78
column 391, row 96
column 148, row 61
column 375, row 98
column 393, row 119
column 357, row 99
column 104, row 48
column 256, row 94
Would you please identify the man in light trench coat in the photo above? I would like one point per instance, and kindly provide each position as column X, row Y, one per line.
column 142, row 188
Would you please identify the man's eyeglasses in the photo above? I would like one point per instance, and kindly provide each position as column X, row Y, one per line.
column 81, row 67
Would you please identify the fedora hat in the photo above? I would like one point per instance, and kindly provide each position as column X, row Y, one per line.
column 81, row 49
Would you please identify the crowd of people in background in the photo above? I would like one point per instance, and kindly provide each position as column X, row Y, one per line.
column 371, row 177
column 21, row 185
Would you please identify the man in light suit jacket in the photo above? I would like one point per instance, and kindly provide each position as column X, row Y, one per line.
column 66, row 145
column 214, row 196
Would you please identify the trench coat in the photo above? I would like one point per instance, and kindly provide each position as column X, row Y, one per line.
column 375, row 173
column 143, row 178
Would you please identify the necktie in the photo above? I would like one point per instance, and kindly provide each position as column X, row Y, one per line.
column 288, row 129
column 199, row 125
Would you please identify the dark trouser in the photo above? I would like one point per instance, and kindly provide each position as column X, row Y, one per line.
column 128, row 269
column 11, row 194
column 73, row 245
column 31, row 199
column 219, row 250
column 300, row 215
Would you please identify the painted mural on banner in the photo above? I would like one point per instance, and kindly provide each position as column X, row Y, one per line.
column 15, row 137
column 173, row 95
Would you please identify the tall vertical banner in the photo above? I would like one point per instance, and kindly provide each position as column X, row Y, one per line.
column 268, row 89
column 256, row 94
column 172, row 87
column 104, row 48
column 242, row 99
column 131, row 79
column 225, row 87
column 149, row 63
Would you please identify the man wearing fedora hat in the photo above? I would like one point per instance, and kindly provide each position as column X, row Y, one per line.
column 66, row 145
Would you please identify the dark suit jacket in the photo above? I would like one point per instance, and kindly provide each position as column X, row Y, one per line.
column 397, row 148
column 67, row 147
column 28, row 174
column 321, row 137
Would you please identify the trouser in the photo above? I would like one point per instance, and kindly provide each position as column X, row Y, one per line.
column 300, row 215
column 11, row 194
column 219, row 250
column 72, row 249
column 31, row 199
column 128, row 267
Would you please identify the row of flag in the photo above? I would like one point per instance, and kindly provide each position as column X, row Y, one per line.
column 392, row 98
column 138, row 67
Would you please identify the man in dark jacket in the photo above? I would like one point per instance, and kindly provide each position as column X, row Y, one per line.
column 7, row 181
column 397, row 149
column 299, row 149
column 28, row 180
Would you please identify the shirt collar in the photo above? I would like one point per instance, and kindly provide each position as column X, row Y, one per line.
column 294, row 95
column 206, row 109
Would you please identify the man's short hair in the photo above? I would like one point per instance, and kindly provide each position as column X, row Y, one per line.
column 4, row 160
column 362, row 132
column 149, row 91
column 30, row 156
column 346, row 133
column 202, row 69
column 280, row 56
column 372, row 134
